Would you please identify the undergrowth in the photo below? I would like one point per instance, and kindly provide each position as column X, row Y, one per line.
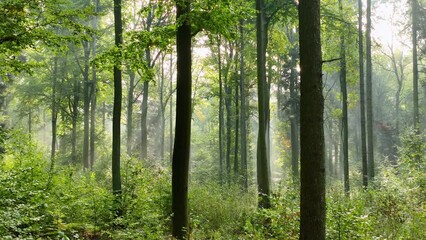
column 66, row 203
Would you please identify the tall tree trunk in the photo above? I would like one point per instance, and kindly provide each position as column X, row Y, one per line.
column 369, row 99
column 362, row 97
column 263, row 169
column 130, row 102
column 54, row 112
column 171, row 110
column 144, row 112
column 243, row 115
column 93, row 93
column 228, row 93
column 76, row 100
column 116, row 116
column 416, row 114
column 294, row 126
column 86, row 114
column 221, row 114
column 162, row 108
column 312, row 172
column 182, row 144
column 237, row 128
column 344, row 91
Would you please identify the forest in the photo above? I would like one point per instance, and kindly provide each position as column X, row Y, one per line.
column 217, row 119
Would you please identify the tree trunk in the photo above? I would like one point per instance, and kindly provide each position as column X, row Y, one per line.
column 76, row 100
column 243, row 115
column 144, row 111
column 416, row 117
column 116, row 117
column 130, row 102
column 237, row 128
column 171, row 110
column 263, row 170
column 294, row 126
column 86, row 114
column 369, row 96
column 228, row 93
column 344, row 91
column 181, row 151
column 162, row 108
column 54, row 112
column 312, row 172
column 362, row 98
column 93, row 93
column 221, row 115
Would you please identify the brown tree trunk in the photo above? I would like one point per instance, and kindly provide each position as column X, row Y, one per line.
column 180, row 165
column 362, row 98
column 263, row 169
column 312, row 172
column 369, row 83
column 116, row 117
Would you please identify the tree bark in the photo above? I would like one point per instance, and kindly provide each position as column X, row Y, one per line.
column 294, row 126
column 74, row 119
column 93, row 93
column 221, row 115
column 180, row 165
column 370, row 137
column 144, row 111
column 312, row 172
column 116, row 117
column 344, row 91
column 86, row 99
column 130, row 102
column 54, row 112
column 362, row 97
column 263, row 169
column 243, row 115
column 416, row 115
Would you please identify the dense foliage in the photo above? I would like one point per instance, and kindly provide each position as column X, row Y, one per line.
column 65, row 204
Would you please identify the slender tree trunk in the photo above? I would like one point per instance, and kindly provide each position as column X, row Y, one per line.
column 243, row 115
column 237, row 128
column 116, row 117
column 362, row 98
column 86, row 114
column 171, row 110
column 263, row 170
column 144, row 111
column 344, row 91
column 54, row 112
column 228, row 93
column 74, row 117
column 416, row 114
column 369, row 99
column 312, row 172
column 182, row 144
column 162, row 108
column 294, row 126
column 130, row 112
column 221, row 115
column 93, row 93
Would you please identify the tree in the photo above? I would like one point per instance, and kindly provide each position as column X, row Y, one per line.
column 116, row 117
column 344, row 105
column 312, row 174
column 362, row 97
column 180, row 165
column 369, row 97
column 263, row 171
column 416, row 116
